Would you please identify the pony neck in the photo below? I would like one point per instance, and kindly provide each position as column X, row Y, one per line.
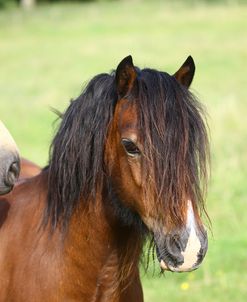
column 98, row 241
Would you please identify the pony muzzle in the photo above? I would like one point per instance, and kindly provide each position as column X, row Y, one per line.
column 184, row 249
column 9, row 161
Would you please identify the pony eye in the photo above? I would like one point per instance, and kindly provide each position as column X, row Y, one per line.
column 130, row 147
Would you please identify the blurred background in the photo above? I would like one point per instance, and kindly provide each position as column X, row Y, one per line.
column 50, row 49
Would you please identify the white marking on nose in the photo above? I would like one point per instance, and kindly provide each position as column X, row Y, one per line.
column 193, row 246
column 6, row 141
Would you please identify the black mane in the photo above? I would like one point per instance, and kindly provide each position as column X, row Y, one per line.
column 76, row 153
column 174, row 136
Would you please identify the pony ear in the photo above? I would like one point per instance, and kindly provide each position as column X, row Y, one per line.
column 125, row 76
column 186, row 72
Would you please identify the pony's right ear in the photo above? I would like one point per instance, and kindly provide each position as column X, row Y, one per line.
column 125, row 76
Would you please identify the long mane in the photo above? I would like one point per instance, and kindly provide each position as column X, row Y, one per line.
column 76, row 153
column 174, row 139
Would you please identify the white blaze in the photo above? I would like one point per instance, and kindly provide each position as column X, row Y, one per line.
column 193, row 246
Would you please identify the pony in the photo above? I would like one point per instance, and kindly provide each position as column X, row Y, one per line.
column 9, row 161
column 128, row 164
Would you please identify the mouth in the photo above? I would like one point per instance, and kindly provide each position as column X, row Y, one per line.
column 164, row 266
column 169, row 264
column 163, row 263
column 168, row 251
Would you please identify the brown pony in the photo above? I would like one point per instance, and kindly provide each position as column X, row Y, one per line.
column 129, row 161
column 9, row 161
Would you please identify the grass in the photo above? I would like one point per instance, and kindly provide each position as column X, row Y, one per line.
column 48, row 54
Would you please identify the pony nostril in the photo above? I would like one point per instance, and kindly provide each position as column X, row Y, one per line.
column 12, row 174
column 173, row 244
column 173, row 250
column 176, row 242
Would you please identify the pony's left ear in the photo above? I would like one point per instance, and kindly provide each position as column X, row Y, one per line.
column 186, row 72
column 125, row 76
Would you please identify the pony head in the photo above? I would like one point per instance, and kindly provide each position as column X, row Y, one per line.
column 156, row 153
column 139, row 135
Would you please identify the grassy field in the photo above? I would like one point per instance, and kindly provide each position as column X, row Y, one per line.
column 48, row 54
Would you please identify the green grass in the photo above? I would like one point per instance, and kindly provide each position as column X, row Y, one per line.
column 47, row 55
